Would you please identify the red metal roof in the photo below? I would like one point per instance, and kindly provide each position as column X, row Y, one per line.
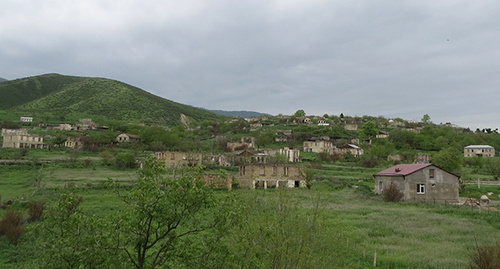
column 402, row 169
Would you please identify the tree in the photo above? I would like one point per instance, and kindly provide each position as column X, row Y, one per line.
column 369, row 130
column 493, row 167
column 449, row 159
column 162, row 214
column 426, row 119
column 300, row 113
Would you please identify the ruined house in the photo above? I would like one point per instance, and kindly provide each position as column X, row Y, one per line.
column 319, row 146
column 270, row 176
column 124, row 138
column 19, row 138
column 175, row 159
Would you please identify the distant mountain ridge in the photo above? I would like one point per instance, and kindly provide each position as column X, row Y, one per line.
column 61, row 95
column 241, row 114
column 2, row 79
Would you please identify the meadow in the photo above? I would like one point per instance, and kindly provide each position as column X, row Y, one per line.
column 352, row 225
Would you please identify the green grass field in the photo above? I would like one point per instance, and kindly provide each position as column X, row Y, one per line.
column 353, row 223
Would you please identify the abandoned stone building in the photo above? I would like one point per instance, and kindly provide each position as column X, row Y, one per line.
column 420, row 182
column 245, row 143
column 319, row 146
column 479, row 150
column 125, row 138
column 270, row 176
column 19, row 138
column 175, row 159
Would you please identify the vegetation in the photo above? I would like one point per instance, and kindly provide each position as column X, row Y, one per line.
column 59, row 97
column 93, row 208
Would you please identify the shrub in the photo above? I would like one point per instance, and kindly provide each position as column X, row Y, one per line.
column 486, row 257
column 10, row 226
column 125, row 160
column 369, row 163
column 392, row 194
column 35, row 210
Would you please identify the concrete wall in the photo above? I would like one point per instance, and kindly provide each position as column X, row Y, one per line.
column 442, row 187
column 267, row 176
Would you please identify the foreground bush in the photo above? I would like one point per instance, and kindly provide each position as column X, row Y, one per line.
column 10, row 226
column 486, row 257
column 392, row 194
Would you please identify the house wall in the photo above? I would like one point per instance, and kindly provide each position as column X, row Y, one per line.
column 264, row 176
column 174, row 159
column 22, row 140
column 483, row 152
column 443, row 187
column 318, row 146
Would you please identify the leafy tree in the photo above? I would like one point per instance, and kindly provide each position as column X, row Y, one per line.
column 68, row 238
column 493, row 167
column 300, row 113
column 125, row 160
column 368, row 129
column 161, row 216
column 426, row 119
column 449, row 159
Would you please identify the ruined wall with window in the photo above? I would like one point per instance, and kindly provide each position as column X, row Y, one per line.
column 270, row 176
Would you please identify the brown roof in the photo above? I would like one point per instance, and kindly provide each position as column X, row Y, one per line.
column 402, row 169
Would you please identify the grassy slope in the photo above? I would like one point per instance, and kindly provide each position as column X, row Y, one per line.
column 62, row 95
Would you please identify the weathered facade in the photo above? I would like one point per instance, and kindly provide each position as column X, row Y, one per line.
column 318, row 146
column 356, row 151
column 19, row 138
column 219, row 181
column 270, row 176
column 246, row 143
column 174, row 159
column 479, row 150
column 420, row 182
column 127, row 138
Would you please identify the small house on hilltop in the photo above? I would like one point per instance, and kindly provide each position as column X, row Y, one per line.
column 420, row 182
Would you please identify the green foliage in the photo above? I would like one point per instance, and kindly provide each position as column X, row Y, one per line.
column 369, row 130
column 48, row 97
column 125, row 160
column 68, row 238
column 448, row 159
column 300, row 113
column 161, row 216
column 493, row 167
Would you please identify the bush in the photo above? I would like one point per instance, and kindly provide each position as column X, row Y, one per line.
column 486, row 257
column 10, row 226
column 369, row 163
column 392, row 194
column 125, row 160
column 35, row 210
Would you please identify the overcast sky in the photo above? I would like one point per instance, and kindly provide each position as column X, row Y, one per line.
column 379, row 58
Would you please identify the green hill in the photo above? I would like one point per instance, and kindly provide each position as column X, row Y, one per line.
column 62, row 95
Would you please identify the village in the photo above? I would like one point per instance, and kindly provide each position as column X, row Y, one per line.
column 418, row 178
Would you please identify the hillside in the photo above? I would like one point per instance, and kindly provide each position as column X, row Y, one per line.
column 241, row 114
column 2, row 79
column 62, row 95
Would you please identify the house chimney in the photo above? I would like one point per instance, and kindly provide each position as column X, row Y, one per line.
column 398, row 169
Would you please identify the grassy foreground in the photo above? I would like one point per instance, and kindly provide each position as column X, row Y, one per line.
column 352, row 224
